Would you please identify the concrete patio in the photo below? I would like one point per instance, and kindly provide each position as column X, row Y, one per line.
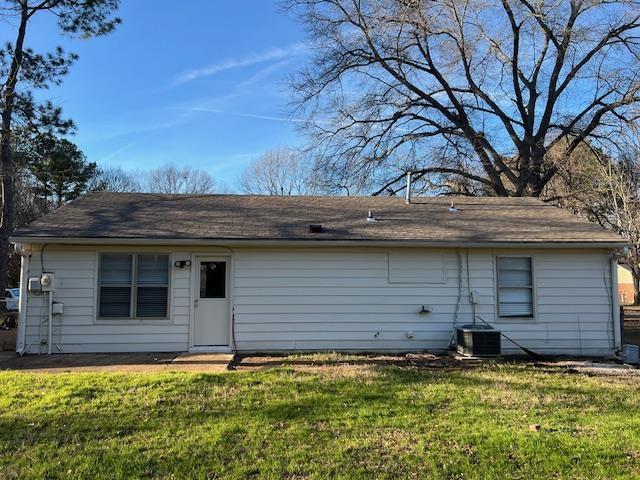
column 117, row 362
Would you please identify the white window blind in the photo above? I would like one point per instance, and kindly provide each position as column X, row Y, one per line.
column 152, row 281
column 515, row 287
column 133, row 286
column 115, row 279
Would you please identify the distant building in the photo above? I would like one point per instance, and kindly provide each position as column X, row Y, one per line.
column 625, row 286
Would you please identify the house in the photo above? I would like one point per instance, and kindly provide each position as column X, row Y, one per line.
column 132, row 272
column 625, row 286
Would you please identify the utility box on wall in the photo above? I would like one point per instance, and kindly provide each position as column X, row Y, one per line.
column 57, row 308
column 34, row 285
column 478, row 340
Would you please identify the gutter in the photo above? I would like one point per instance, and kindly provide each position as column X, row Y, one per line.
column 304, row 242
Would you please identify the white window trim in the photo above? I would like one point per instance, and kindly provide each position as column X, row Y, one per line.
column 129, row 320
column 534, row 299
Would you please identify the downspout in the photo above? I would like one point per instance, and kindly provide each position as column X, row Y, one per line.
column 615, row 308
column 25, row 256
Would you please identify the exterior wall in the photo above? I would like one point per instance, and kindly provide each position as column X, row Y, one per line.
column 317, row 300
column 78, row 330
column 338, row 299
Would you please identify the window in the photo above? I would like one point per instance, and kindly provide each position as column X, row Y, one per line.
column 213, row 276
column 515, row 287
column 133, row 286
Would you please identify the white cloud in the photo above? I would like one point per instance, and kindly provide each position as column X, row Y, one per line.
column 279, row 53
column 246, row 115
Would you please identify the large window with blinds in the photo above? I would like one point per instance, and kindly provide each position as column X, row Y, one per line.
column 515, row 287
column 133, row 285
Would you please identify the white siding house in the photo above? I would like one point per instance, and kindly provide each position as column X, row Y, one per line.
column 120, row 294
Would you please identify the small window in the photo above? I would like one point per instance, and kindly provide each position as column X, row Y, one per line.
column 213, row 279
column 515, row 287
column 133, row 286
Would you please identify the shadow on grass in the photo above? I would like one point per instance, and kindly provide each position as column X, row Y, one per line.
column 117, row 407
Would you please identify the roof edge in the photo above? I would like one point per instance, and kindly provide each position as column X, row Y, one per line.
column 328, row 242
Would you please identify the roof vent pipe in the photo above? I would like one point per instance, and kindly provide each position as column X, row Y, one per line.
column 371, row 218
column 407, row 197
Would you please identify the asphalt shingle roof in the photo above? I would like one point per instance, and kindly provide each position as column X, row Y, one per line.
column 248, row 217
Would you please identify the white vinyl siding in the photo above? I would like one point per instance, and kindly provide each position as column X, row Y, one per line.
column 515, row 286
column 332, row 299
column 336, row 299
column 80, row 330
column 416, row 267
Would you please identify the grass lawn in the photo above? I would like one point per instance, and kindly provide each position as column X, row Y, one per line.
column 337, row 422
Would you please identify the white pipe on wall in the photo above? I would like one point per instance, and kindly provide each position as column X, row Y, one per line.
column 50, row 332
column 21, row 343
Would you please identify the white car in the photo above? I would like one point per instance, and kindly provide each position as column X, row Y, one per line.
column 12, row 296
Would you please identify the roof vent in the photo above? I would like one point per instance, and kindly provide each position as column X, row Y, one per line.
column 453, row 207
column 316, row 228
column 407, row 197
column 371, row 218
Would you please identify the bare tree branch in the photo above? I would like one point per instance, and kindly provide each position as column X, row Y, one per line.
column 510, row 78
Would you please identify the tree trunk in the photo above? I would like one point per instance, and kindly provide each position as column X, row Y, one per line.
column 6, row 153
column 7, row 186
column 636, row 286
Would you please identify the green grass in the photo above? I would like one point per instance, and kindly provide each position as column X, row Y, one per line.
column 338, row 422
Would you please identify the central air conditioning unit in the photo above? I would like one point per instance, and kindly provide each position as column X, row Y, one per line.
column 478, row 341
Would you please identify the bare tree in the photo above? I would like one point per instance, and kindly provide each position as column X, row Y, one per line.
column 282, row 171
column 477, row 89
column 115, row 179
column 604, row 190
column 171, row 179
column 620, row 211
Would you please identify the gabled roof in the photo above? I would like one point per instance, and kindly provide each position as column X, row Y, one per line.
column 157, row 217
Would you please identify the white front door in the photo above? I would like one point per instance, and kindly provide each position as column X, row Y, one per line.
column 211, row 294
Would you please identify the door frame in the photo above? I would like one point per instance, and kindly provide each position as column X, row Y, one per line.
column 195, row 284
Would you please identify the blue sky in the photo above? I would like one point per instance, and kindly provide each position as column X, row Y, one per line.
column 201, row 82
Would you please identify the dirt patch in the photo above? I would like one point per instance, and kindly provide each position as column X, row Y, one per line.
column 326, row 361
column 8, row 340
column 332, row 364
column 363, row 364
column 590, row 367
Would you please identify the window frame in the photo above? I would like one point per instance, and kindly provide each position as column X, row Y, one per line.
column 134, row 287
column 534, row 297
